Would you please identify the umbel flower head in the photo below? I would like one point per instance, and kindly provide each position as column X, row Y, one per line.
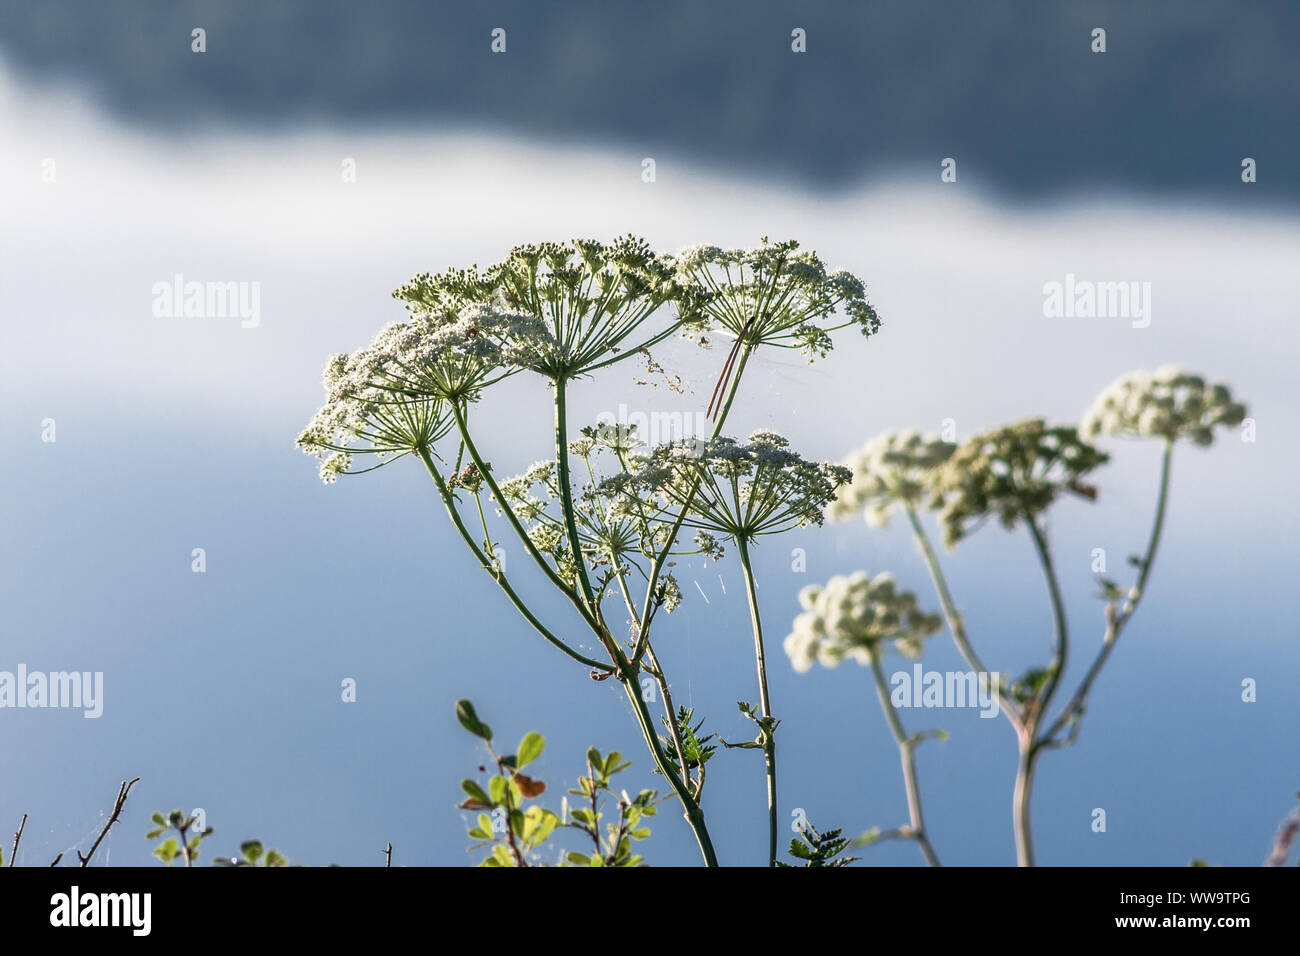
column 591, row 297
column 1014, row 472
column 857, row 616
column 776, row 295
column 617, row 525
column 891, row 469
column 1168, row 403
column 741, row 489
column 392, row 397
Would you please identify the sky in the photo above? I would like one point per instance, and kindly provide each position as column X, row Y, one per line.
column 222, row 689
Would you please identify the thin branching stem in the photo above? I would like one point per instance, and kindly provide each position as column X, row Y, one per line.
column 767, row 731
column 907, row 756
column 123, row 792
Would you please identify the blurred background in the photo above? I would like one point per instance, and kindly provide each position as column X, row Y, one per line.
column 328, row 152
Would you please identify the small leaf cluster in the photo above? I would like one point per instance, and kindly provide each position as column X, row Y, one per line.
column 515, row 830
column 184, row 845
column 252, row 853
column 613, row 846
column 506, row 823
column 819, row 849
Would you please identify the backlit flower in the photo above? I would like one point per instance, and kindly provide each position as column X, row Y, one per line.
column 857, row 617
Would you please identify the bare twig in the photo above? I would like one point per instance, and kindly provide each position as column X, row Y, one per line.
column 388, row 855
column 123, row 792
column 1286, row 836
column 56, row 861
column 13, row 855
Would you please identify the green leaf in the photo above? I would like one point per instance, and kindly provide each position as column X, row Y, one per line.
column 167, row 850
column 159, row 819
column 578, row 859
column 469, row 720
column 594, row 758
column 497, row 788
column 530, row 748
column 251, row 850
column 155, row 834
column 798, row 849
column 273, row 858
column 475, row 793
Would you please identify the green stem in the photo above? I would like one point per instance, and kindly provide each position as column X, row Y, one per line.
column 694, row 815
column 907, row 756
column 1029, row 742
column 624, row 670
column 485, row 472
column 566, row 495
column 956, row 625
column 765, row 703
column 1021, row 800
column 647, row 609
column 1074, row 709
column 1061, row 652
column 499, row 576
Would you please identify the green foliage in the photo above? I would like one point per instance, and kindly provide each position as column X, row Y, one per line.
column 613, row 846
column 697, row 749
column 513, row 829
column 184, row 846
column 819, row 849
column 251, row 853
column 469, row 720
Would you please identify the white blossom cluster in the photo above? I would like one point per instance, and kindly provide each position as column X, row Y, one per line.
column 892, row 468
column 775, row 294
column 852, row 616
column 1012, row 472
column 738, row 488
column 390, row 398
column 590, row 296
column 1167, row 403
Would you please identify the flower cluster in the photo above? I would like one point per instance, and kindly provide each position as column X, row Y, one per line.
column 392, row 397
column 741, row 489
column 851, row 616
column 891, row 469
column 617, row 524
column 590, row 296
column 1167, row 403
column 776, row 295
column 1014, row 472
